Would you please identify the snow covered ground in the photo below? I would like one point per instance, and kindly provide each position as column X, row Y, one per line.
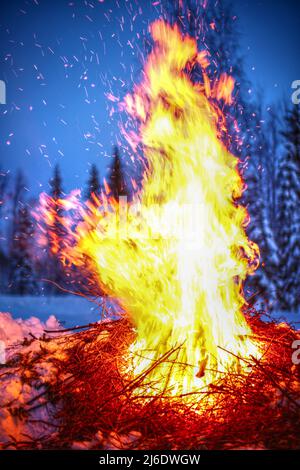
column 18, row 390
column 290, row 317
column 13, row 331
column 70, row 310
column 293, row 318
column 29, row 317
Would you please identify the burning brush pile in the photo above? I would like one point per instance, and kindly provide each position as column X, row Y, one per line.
column 188, row 365
column 72, row 392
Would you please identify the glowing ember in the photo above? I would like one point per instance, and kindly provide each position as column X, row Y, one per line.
column 176, row 258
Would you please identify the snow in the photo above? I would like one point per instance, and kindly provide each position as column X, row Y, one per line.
column 70, row 310
column 14, row 331
column 14, row 427
column 293, row 318
column 40, row 313
column 17, row 393
column 26, row 413
column 280, row 316
column 28, row 317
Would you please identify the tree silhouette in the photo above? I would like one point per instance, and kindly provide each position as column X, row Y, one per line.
column 93, row 186
column 22, row 274
column 288, row 221
column 4, row 259
column 17, row 201
column 264, row 281
column 56, row 183
column 54, row 270
column 116, row 178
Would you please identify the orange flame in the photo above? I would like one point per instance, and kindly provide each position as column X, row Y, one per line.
column 177, row 256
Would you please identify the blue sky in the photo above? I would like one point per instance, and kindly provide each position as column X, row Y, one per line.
column 61, row 59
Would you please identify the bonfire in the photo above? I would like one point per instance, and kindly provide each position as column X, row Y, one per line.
column 188, row 363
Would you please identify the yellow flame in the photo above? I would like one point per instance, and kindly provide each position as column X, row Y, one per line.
column 178, row 255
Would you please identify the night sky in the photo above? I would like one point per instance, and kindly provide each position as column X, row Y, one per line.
column 63, row 63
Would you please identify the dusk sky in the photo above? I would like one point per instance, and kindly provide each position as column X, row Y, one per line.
column 61, row 60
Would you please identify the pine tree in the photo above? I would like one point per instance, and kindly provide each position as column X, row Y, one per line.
column 55, row 271
column 17, row 202
column 4, row 261
column 22, row 274
column 93, row 186
column 56, row 209
column 272, row 160
column 116, row 178
column 288, row 221
column 56, row 184
column 3, row 186
column 263, row 283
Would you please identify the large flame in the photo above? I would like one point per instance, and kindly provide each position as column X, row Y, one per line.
column 176, row 258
